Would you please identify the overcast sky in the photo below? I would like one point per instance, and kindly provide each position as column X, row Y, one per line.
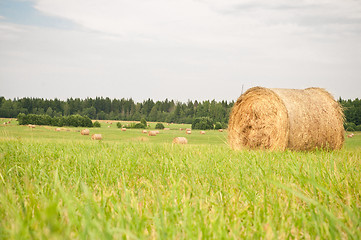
column 177, row 49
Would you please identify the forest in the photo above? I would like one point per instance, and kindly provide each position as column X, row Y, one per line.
column 155, row 111
column 114, row 109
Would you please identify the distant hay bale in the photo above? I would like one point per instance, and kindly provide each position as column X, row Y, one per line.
column 57, row 129
column 152, row 133
column 202, row 132
column 97, row 137
column 188, row 129
column 279, row 119
column 144, row 131
column 220, row 130
column 156, row 131
column 31, row 126
column 188, row 132
column 180, row 140
column 85, row 132
column 124, row 129
column 181, row 129
column 166, row 129
column 350, row 135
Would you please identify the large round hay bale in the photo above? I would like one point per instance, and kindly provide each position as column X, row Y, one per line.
column 279, row 119
column 96, row 137
column 180, row 140
column 85, row 132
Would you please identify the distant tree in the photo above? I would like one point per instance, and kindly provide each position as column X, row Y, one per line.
column 159, row 126
column 49, row 111
column 349, row 126
column 136, row 125
column 153, row 115
column 22, row 119
column 96, row 124
column 101, row 115
column 90, row 112
column 144, row 122
column 202, row 123
column 140, row 125
column 218, row 125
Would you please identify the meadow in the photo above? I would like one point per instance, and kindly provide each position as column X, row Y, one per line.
column 62, row 185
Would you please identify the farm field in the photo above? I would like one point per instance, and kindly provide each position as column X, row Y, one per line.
column 62, row 185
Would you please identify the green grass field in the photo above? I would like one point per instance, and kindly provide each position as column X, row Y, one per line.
column 62, row 185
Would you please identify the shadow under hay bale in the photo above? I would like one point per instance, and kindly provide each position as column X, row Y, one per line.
column 279, row 119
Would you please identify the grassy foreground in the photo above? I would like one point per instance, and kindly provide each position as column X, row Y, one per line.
column 54, row 187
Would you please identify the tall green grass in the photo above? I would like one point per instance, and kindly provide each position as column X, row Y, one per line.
column 77, row 189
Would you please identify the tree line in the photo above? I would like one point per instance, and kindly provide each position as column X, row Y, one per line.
column 156, row 111
column 119, row 109
column 352, row 111
column 72, row 120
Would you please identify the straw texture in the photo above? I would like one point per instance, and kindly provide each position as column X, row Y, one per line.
column 279, row 119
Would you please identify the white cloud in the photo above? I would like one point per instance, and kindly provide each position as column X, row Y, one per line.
column 186, row 49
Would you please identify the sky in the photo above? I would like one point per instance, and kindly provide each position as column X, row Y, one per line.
column 177, row 49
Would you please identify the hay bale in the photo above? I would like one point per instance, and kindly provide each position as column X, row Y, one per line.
column 180, row 140
column 57, row 129
column 220, row 130
column 144, row 131
column 124, row 129
column 279, row 119
column 202, row 132
column 156, row 131
column 97, row 137
column 181, row 129
column 152, row 133
column 85, row 132
column 166, row 129
column 188, row 132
